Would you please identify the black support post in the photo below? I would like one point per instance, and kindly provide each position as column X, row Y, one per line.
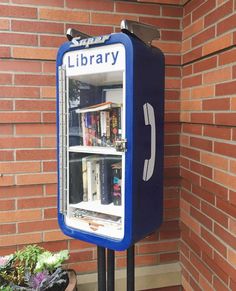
column 101, row 261
column 106, row 269
column 110, row 270
column 130, row 269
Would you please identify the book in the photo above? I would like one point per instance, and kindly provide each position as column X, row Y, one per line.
column 93, row 131
column 95, row 220
column 75, row 179
column 88, row 129
column 89, row 174
column 115, row 124
column 105, row 178
column 116, row 183
column 98, row 180
column 84, row 179
column 74, row 128
column 98, row 107
column 103, row 127
column 82, row 118
column 98, row 128
column 91, row 179
column 96, row 215
column 108, row 128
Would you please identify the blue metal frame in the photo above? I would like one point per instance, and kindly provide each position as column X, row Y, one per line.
column 143, row 208
column 90, row 237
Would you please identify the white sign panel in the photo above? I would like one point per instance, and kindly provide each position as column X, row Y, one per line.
column 102, row 59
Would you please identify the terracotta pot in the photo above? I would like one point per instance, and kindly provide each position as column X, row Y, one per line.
column 72, row 286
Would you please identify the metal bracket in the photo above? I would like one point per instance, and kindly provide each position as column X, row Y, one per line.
column 120, row 145
column 146, row 33
column 72, row 33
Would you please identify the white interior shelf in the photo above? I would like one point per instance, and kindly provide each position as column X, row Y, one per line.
column 96, row 206
column 94, row 150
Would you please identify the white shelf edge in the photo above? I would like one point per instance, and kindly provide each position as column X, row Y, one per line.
column 96, row 206
column 95, row 150
column 104, row 231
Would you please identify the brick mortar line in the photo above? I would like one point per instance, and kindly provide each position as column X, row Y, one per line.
column 199, row 162
column 208, row 55
column 58, row 21
column 206, row 71
column 207, row 138
column 212, row 124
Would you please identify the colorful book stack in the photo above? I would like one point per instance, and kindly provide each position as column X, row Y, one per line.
column 100, row 124
column 101, row 177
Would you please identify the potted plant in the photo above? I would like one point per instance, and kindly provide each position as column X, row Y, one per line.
column 34, row 268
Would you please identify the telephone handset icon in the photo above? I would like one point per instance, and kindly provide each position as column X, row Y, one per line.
column 149, row 119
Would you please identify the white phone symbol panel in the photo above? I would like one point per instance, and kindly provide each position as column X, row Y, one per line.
column 149, row 119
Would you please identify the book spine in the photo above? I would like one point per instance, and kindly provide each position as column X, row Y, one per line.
column 119, row 122
column 83, row 128
column 108, row 128
column 105, row 177
column 75, row 179
column 98, row 129
column 103, row 127
column 84, row 174
column 89, row 129
column 93, row 129
column 80, row 129
column 114, row 124
column 91, row 180
column 98, row 180
column 116, row 186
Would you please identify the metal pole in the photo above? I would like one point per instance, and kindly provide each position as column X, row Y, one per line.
column 101, row 263
column 110, row 270
column 130, row 269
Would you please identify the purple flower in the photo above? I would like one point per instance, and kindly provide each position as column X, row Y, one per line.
column 38, row 278
column 4, row 260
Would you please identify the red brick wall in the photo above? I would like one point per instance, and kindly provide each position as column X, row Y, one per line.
column 208, row 148
column 31, row 32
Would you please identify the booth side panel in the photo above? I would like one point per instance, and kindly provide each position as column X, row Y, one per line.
column 148, row 140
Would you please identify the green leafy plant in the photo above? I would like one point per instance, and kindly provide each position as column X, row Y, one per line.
column 49, row 261
column 28, row 257
column 8, row 288
column 33, row 268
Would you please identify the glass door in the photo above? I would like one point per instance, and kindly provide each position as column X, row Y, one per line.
column 91, row 156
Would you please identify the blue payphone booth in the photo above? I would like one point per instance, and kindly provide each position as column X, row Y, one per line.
column 110, row 111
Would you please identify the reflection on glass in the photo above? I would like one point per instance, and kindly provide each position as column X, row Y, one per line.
column 95, row 112
column 95, row 178
column 96, row 196
column 95, row 192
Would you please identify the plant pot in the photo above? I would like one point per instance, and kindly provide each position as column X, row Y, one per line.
column 69, row 285
column 72, row 286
